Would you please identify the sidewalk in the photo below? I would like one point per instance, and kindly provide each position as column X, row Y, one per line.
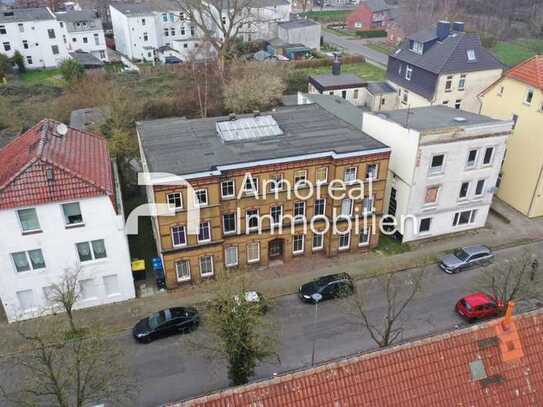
column 285, row 278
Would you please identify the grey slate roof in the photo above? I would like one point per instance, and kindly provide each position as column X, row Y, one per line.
column 137, row 9
column 377, row 5
column 86, row 59
column 435, row 118
column 76, row 15
column 300, row 23
column 25, row 14
column 331, row 82
column 340, row 108
column 182, row 147
column 449, row 56
column 378, row 88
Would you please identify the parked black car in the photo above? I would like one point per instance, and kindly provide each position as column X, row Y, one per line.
column 466, row 257
column 331, row 286
column 166, row 322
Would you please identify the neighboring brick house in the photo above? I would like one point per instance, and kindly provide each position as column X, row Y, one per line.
column 227, row 159
column 443, row 65
column 369, row 15
column 497, row 363
column 59, row 210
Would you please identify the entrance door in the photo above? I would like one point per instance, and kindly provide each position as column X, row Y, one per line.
column 276, row 248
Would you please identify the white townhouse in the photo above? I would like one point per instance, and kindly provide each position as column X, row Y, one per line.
column 83, row 31
column 36, row 34
column 443, row 167
column 59, row 211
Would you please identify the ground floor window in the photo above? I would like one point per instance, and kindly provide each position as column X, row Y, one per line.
column 182, row 269
column 111, row 285
column 231, row 256
column 364, row 237
column 318, row 241
column 464, row 217
column 425, row 224
column 344, row 241
column 253, row 252
column 88, row 289
column 206, row 266
column 26, row 299
column 298, row 244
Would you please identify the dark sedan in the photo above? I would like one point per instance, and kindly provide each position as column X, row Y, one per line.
column 328, row 287
column 165, row 323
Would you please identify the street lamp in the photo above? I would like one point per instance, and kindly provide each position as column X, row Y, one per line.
column 316, row 299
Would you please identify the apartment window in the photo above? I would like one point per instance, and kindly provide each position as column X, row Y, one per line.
column 251, row 185
column 231, row 256
column 479, row 187
column 424, row 225
column 228, row 189
column 166, row 32
column 318, row 241
column 229, row 223
column 437, row 164
column 417, row 47
column 3, row 29
column 445, row 103
column 276, row 183
column 192, row 34
column 183, row 33
column 54, row 49
column 25, row 44
column 165, row 17
column 87, row 289
column 344, row 94
column 252, row 219
column 181, row 16
column 111, row 285
column 96, row 39
column 276, row 213
column 472, row 158
column 367, row 204
column 355, row 94
column 462, row 82
column 364, row 238
column 253, row 252
column 458, row 104
column 371, row 171
column 182, row 270
column 145, row 36
column 172, row 17
column 464, row 188
column 405, row 96
column 85, row 40
column 175, row 200
column 515, row 121
column 349, row 175
column 64, row 39
column 29, row 260
column 51, row 33
column 28, row 218
column 464, row 217
column 179, row 236
column 7, row 47
column 322, row 175
column 431, row 195
column 206, row 266
column 500, row 92
column 471, row 55
column 93, row 250
column 489, row 155
column 320, row 207
column 29, row 60
column 300, row 177
column 299, row 209
column 72, row 214
column 448, row 83
column 143, row 21
column 344, row 241
column 172, row 31
column 200, row 196
column 102, row 54
column 408, row 72
column 26, row 300
column 74, row 39
column 346, row 207
column 298, row 244
column 529, row 96
column 204, row 232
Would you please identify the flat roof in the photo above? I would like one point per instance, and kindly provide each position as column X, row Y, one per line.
column 73, row 16
column 436, row 117
column 300, row 23
column 378, row 88
column 180, row 146
column 341, row 81
column 25, row 14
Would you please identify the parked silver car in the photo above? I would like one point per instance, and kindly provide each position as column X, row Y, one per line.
column 468, row 256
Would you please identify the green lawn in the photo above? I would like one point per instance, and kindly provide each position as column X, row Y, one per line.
column 42, row 76
column 327, row 15
column 364, row 70
column 512, row 53
column 389, row 246
column 381, row 47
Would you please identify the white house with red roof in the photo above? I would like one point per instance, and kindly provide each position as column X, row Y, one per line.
column 58, row 211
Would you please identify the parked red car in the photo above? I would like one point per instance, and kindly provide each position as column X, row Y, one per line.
column 478, row 306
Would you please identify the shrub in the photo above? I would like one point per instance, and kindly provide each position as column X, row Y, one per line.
column 72, row 71
column 19, row 60
column 371, row 34
column 488, row 41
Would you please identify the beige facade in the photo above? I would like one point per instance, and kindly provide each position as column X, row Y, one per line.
column 522, row 172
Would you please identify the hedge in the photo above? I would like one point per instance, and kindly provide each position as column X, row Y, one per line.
column 371, row 34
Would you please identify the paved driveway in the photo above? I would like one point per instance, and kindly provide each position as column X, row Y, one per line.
column 356, row 47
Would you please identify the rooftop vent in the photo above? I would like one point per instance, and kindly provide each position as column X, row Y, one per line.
column 61, row 130
column 458, row 26
column 248, row 128
column 477, row 369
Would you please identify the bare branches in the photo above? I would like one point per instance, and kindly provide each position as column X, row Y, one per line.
column 65, row 293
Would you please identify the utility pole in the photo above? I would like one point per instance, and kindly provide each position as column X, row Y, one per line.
column 316, row 298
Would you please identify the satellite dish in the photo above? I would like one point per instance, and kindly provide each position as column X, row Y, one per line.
column 61, row 129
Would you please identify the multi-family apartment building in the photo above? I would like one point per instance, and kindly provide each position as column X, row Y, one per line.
column 443, row 65
column 231, row 161
column 59, row 212
column 141, row 29
column 45, row 39
column 518, row 96
column 443, row 167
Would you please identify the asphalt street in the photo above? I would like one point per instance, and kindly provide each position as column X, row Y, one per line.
column 172, row 369
column 355, row 47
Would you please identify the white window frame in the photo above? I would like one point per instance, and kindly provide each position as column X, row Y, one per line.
column 372, row 200
column 276, row 183
column 323, row 207
column 294, row 251
column 408, row 72
column 437, row 195
column 197, row 203
column 229, row 232
column 466, row 197
column 253, row 182
column 212, row 272
column 28, row 260
column 317, row 248
column 468, row 166
column 462, row 82
column 174, row 194
column 253, row 260
column 208, row 229
column 364, row 243
column 348, row 234
column 456, row 218
column 226, row 256
column 322, row 181
column 303, row 206
column 470, row 53
column 233, row 194
column 475, row 194
column 483, row 164
column 441, row 169
column 376, row 171
column 273, row 222
column 348, row 170
column 300, row 180
column 429, row 228
column 247, row 218
column 186, row 278
column 184, row 234
column 39, row 229
column 94, row 259
column 341, row 213
column 529, row 93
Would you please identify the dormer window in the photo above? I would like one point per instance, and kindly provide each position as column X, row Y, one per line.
column 417, row 47
column 408, row 72
column 471, row 55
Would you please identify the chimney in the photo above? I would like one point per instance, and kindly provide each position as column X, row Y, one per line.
column 443, row 30
column 336, row 66
column 458, row 26
column 506, row 321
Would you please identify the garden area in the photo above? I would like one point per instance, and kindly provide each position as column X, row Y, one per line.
column 514, row 52
column 327, row 16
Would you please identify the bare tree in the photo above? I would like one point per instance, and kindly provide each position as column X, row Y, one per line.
column 65, row 293
column 398, row 290
column 60, row 370
column 515, row 280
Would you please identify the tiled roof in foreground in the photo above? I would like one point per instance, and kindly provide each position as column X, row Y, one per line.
column 529, row 71
column 479, row 366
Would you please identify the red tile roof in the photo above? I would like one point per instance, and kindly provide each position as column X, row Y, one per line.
column 529, row 71
column 78, row 161
column 431, row 372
